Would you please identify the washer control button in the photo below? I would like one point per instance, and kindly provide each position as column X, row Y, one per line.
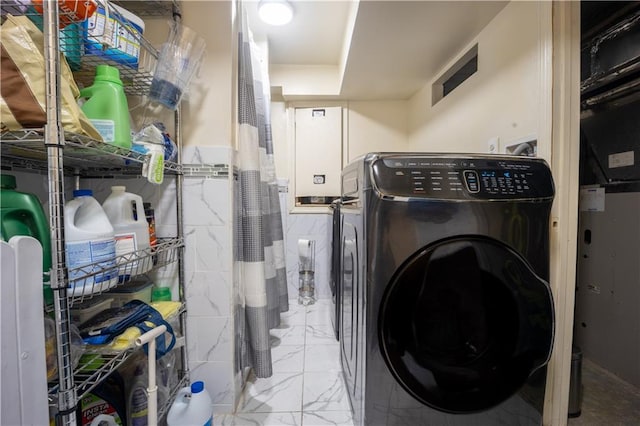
column 471, row 179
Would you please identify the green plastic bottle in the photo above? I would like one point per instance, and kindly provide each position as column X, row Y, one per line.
column 22, row 214
column 106, row 106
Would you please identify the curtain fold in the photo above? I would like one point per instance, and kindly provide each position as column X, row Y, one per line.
column 261, row 246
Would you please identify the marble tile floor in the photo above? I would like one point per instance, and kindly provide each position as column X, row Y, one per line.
column 607, row 399
column 306, row 388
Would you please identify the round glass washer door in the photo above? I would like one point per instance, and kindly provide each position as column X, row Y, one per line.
column 464, row 322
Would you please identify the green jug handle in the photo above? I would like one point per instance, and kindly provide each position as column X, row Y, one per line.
column 87, row 92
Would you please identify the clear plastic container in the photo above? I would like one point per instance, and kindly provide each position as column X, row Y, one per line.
column 306, row 272
column 178, row 62
column 135, row 290
column 88, row 309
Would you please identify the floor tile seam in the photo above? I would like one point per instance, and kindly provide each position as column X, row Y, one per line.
column 241, row 413
column 323, row 344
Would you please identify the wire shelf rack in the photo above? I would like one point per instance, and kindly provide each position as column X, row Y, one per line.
column 88, row 38
column 164, row 409
column 120, row 44
column 25, row 149
column 95, row 278
column 150, row 8
column 97, row 363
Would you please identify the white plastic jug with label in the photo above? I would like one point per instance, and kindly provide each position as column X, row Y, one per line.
column 126, row 213
column 192, row 407
column 89, row 244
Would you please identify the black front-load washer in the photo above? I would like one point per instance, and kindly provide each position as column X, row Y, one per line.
column 446, row 314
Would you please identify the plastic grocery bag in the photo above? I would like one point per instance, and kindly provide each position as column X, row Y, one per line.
column 22, row 85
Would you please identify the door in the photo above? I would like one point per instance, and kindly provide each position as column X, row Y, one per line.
column 334, row 266
column 464, row 323
column 318, row 153
column 349, row 302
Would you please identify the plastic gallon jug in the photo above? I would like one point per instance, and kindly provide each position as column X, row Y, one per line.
column 21, row 214
column 106, row 106
column 90, row 242
column 126, row 213
column 192, row 407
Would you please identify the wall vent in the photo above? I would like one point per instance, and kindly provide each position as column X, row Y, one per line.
column 460, row 71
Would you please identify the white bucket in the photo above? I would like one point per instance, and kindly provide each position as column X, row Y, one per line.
column 191, row 407
column 126, row 213
column 89, row 240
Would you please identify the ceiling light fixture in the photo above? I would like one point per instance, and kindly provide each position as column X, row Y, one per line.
column 275, row 12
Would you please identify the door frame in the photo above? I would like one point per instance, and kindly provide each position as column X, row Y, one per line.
column 565, row 158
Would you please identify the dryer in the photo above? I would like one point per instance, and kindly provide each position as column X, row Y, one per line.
column 446, row 314
column 334, row 265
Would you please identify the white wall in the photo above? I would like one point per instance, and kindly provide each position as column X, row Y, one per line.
column 305, row 80
column 376, row 126
column 502, row 99
column 207, row 114
column 279, row 135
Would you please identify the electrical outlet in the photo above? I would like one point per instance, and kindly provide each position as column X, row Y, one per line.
column 493, row 145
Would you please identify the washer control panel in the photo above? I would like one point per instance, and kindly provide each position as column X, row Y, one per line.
column 462, row 178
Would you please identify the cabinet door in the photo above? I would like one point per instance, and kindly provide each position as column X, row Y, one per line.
column 318, row 151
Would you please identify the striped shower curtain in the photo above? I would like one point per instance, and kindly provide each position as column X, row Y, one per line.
column 260, row 249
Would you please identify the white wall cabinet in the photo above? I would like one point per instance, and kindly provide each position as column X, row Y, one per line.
column 318, row 152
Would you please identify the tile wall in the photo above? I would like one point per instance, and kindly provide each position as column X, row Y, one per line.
column 208, row 266
column 208, row 230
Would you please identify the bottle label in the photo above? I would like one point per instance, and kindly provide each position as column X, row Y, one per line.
column 106, row 128
column 99, row 254
column 125, row 243
column 139, row 410
column 93, row 406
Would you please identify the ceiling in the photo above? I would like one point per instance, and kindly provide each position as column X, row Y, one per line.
column 380, row 49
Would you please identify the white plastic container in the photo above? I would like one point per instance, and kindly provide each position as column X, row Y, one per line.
column 86, row 310
column 126, row 213
column 192, row 407
column 90, row 242
column 134, row 290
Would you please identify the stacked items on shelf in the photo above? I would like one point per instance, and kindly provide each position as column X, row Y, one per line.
column 105, row 53
column 108, row 56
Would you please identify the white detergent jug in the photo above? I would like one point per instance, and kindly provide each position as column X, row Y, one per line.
column 126, row 213
column 192, row 407
column 90, row 244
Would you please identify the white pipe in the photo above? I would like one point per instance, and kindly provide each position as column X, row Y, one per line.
column 152, row 390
